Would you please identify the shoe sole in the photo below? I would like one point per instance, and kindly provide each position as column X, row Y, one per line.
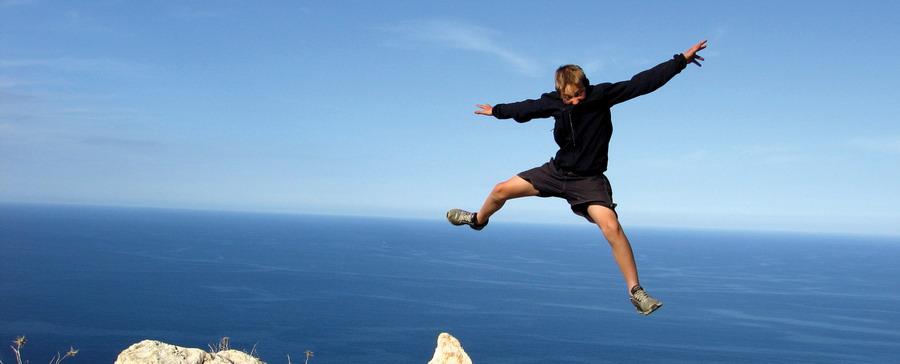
column 652, row 310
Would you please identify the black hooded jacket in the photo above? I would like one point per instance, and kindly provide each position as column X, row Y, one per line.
column 583, row 131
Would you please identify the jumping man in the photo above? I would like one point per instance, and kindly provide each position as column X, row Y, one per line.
column 582, row 130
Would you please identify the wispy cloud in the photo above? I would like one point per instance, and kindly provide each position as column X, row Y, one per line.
column 15, row 2
column 592, row 67
column 70, row 64
column 465, row 36
column 675, row 160
column 769, row 155
column 12, row 99
column 187, row 11
column 719, row 36
column 118, row 142
column 8, row 82
column 886, row 144
column 772, row 154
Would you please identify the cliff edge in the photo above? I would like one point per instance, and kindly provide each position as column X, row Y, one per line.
column 448, row 351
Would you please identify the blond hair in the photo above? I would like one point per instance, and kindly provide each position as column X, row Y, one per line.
column 570, row 80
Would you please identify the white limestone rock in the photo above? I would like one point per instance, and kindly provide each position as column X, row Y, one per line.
column 155, row 352
column 449, row 351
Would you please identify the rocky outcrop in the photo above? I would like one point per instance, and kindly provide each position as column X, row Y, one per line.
column 449, row 351
column 155, row 352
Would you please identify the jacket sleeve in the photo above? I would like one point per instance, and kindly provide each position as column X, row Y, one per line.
column 526, row 110
column 642, row 83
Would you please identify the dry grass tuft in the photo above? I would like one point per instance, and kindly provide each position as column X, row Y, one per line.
column 20, row 341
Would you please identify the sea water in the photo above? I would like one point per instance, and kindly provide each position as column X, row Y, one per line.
column 353, row 289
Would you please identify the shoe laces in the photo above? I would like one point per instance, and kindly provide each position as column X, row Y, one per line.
column 464, row 217
column 640, row 296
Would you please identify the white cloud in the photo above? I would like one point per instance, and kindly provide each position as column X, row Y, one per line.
column 457, row 35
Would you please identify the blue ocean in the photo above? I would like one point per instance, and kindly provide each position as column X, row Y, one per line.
column 372, row 290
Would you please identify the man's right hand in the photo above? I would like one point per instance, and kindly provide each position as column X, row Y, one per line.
column 484, row 109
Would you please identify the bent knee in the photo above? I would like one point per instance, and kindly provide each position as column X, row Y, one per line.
column 605, row 218
column 608, row 223
column 610, row 227
column 501, row 191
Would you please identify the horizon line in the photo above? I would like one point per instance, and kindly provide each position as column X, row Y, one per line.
column 357, row 215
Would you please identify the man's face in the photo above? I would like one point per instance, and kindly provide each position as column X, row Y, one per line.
column 573, row 96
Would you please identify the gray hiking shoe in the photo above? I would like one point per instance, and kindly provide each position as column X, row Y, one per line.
column 642, row 301
column 463, row 217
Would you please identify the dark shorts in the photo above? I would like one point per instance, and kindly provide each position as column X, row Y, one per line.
column 579, row 191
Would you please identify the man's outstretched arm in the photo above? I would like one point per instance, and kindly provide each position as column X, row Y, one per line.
column 521, row 111
column 652, row 79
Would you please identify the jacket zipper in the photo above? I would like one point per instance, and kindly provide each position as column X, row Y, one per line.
column 571, row 128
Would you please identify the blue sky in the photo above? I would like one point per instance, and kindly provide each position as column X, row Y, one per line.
column 366, row 108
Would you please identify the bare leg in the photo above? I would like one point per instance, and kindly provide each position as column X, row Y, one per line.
column 608, row 222
column 514, row 187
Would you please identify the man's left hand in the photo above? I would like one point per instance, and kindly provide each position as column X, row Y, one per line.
column 691, row 54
